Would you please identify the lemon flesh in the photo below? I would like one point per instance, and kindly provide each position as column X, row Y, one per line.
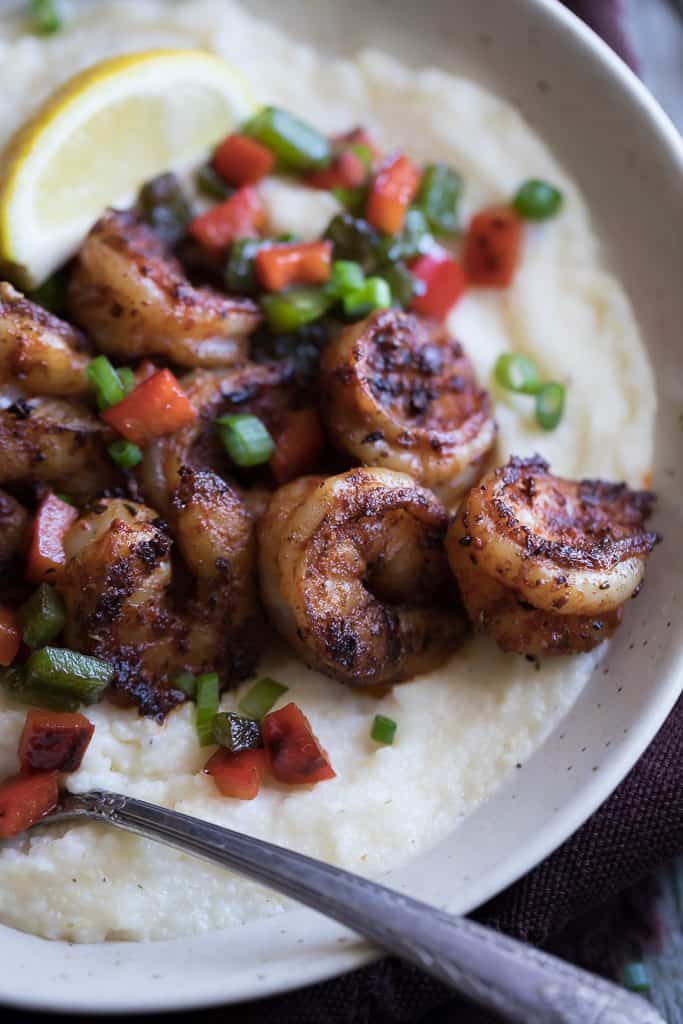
column 105, row 133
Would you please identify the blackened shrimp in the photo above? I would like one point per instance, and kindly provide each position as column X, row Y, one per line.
column 399, row 392
column 545, row 564
column 13, row 525
column 133, row 299
column 151, row 617
column 39, row 352
column 55, row 441
column 267, row 390
column 354, row 575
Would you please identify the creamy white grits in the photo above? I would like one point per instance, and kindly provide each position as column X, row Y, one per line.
column 462, row 729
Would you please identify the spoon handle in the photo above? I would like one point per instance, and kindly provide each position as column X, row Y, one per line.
column 507, row 976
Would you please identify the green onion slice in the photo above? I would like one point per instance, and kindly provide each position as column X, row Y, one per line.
column 258, row 701
column 246, row 439
column 42, row 616
column 550, row 405
column 207, row 698
column 516, row 372
column 297, row 145
column 77, row 675
column 537, row 200
column 125, row 454
column 46, row 15
column 15, row 681
column 236, row 732
column 106, row 381
column 440, row 190
column 127, row 378
column 374, row 294
column 383, row 729
column 288, row 311
column 347, row 276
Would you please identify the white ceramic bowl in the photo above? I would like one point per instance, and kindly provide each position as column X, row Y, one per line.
column 628, row 159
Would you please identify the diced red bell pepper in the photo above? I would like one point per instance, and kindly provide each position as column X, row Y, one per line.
column 46, row 551
column 240, row 216
column 280, row 266
column 10, row 635
column 24, row 800
column 54, row 741
column 394, row 187
column 238, row 774
column 492, row 247
column 298, row 445
column 346, row 171
column 444, row 280
column 155, row 407
column 242, row 161
column 294, row 754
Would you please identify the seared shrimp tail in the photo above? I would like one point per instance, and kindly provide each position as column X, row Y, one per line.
column 399, row 392
column 354, row 576
column 152, row 617
column 56, row 441
column 130, row 294
column 267, row 390
column 39, row 352
column 546, row 564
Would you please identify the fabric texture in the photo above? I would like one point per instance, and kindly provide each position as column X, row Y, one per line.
column 590, row 902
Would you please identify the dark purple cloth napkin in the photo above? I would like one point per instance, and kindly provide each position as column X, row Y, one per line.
column 590, row 902
column 606, row 18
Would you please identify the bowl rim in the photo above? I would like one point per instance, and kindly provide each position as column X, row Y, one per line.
column 575, row 812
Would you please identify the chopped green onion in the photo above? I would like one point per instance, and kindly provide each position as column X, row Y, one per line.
column 516, row 372
column 636, row 977
column 440, row 190
column 297, row 145
column 288, row 311
column 261, row 697
column 416, row 238
column 206, row 700
column 106, row 381
column 125, row 454
column 245, row 438
column 346, row 277
column 78, row 675
column 240, row 273
column 65, row 498
column 383, row 729
column 354, row 239
column 210, row 183
column 46, row 16
column 42, row 617
column 15, row 681
column 235, row 732
column 374, row 294
column 550, row 405
column 127, row 378
column 404, row 285
column 51, row 294
column 537, row 200
column 352, row 199
column 165, row 207
column 186, row 682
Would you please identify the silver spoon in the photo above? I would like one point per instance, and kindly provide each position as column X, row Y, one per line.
column 502, row 974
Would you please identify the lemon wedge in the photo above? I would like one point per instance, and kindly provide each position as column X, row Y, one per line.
column 103, row 134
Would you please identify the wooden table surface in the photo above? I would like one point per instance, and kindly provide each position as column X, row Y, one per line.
column 656, row 30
